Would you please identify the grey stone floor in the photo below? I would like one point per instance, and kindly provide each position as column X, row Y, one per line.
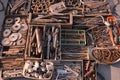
column 110, row 72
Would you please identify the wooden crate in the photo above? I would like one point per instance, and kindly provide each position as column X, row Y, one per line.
column 8, row 50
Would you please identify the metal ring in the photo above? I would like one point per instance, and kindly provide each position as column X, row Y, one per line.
column 35, row 10
column 39, row 11
column 6, row 32
column 21, row 42
column 44, row 6
column 39, row 8
column 34, row 1
column 13, row 37
column 5, row 42
column 9, row 21
column 69, row 3
column 33, row 6
column 38, row 3
column 48, row 3
column 16, row 27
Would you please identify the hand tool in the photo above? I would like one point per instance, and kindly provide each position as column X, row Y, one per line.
column 16, row 27
column 87, row 65
column 39, row 41
column 48, row 46
column 55, row 41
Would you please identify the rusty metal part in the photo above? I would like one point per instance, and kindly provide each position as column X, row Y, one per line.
column 19, row 35
column 48, row 46
column 106, row 55
column 48, row 3
column 33, row 6
column 9, row 21
column 13, row 37
column 70, row 3
column 74, row 56
column 17, row 5
column 69, row 69
column 41, row 7
column 39, row 41
column 6, row 42
column 92, row 8
column 16, row 27
column 49, row 20
column 11, row 73
column 55, row 39
column 95, row 4
column 21, row 42
column 48, row 74
column 24, row 27
column 87, row 65
column 89, row 72
column 101, row 36
column 17, row 19
column 6, row 32
column 58, row 7
column 11, row 52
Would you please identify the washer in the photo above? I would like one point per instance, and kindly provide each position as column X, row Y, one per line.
column 23, row 29
column 5, row 42
column 19, row 35
column 17, row 19
column 8, row 21
column 16, row 27
column 6, row 32
column 21, row 42
column 13, row 37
